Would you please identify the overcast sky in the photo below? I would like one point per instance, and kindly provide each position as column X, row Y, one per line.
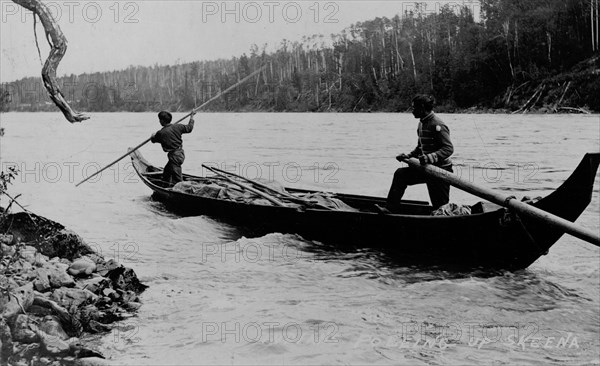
column 110, row 35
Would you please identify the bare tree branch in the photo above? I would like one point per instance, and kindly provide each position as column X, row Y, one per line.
column 58, row 44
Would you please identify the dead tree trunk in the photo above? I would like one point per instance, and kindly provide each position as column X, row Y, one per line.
column 58, row 43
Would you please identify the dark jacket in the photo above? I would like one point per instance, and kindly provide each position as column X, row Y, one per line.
column 434, row 141
column 170, row 136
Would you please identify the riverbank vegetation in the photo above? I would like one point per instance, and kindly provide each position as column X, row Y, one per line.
column 539, row 55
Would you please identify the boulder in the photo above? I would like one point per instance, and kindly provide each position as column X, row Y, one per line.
column 21, row 299
column 7, row 250
column 6, row 345
column 42, row 280
column 6, row 239
column 133, row 306
column 52, row 345
column 20, row 266
column 25, row 352
column 31, row 255
column 23, row 329
column 39, row 310
column 125, row 279
column 94, row 284
column 104, row 267
column 51, row 326
column 57, row 275
column 82, row 267
column 67, row 297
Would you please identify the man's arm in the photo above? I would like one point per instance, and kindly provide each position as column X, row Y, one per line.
column 190, row 126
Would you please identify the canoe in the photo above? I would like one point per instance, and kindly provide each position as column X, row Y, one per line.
column 494, row 239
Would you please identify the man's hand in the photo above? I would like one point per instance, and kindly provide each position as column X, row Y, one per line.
column 192, row 113
column 428, row 159
column 402, row 157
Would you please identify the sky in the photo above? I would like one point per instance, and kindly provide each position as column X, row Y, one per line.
column 106, row 35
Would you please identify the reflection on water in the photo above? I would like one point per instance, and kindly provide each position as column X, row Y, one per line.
column 219, row 295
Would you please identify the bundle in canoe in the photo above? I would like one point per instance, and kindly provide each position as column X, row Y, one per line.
column 493, row 239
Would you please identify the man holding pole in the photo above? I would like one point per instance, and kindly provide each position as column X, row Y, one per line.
column 433, row 147
column 170, row 139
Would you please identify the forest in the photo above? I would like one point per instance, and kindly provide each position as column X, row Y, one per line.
column 519, row 56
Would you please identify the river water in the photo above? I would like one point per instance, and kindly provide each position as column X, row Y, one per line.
column 218, row 298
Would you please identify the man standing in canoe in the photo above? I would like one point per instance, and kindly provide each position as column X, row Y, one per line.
column 433, row 147
column 170, row 139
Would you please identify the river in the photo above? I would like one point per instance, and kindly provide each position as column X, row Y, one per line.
column 218, row 298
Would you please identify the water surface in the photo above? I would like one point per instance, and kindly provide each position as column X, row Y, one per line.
column 218, row 298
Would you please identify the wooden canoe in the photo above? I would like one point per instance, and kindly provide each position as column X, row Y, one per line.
column 493, row 240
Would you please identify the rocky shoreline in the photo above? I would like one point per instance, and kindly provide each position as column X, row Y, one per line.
column 54, row 289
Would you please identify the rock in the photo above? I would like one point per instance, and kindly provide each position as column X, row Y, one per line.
column 21, row 266
column 26, row 351
column 104, row 267
column 21, row 298
column 58, row 275
column 97, row 327
column 6, row 239
column 128, row 296
column 39, row 310
column 6, row 345
column 109, row 292
column 52, row 345
column 81, row 351
column 94, row 284
column 22, row 329
column 133, row 306
column 7, row 282
column 32, row 256
column 82, row 267
column 67, row 297
column 125, row 279
column 44, row 361
column 7, row 250
column 42, row 281
column 51, row 326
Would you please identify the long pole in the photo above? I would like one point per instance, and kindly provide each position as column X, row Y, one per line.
column 183, row 118
column 272, row 190
column 497, row 198
column 248, row 188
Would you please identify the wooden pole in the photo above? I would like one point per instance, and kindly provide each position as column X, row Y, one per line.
column 497, row 198
column 184, row 117
column 284, row 194
column 248, row 188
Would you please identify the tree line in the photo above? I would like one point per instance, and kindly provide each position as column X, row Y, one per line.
column 519, row 55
